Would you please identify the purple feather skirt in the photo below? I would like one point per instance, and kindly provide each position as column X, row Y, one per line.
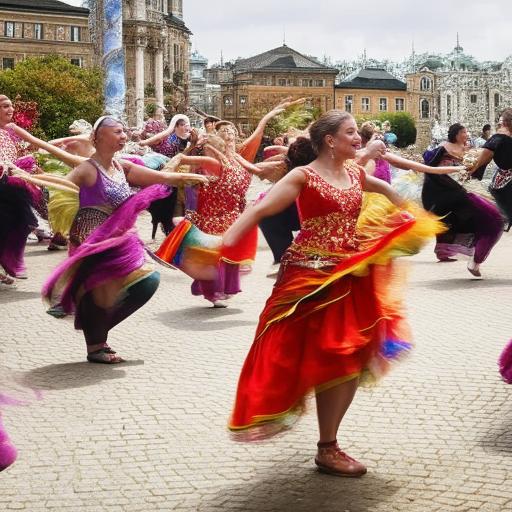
column 113, row 250
column 488, row 223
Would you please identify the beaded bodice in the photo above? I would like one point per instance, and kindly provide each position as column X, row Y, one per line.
column 108, row 192
column 222, row 200
column 328, row 217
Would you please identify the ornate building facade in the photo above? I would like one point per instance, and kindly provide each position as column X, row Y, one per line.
column 31, row 28
column 155, row 39
column 157, row 46
column 444, row 89
column 459, row 89
column 250, row 87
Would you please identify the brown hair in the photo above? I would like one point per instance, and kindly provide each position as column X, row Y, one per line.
column 327, row 124
column 216, row 142
column 220, row 124
column 454, row 130
column 507, row 118
column 300, row 153
column 366, row 131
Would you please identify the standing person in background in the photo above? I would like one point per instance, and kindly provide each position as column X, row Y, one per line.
column 389, row 137
column 474, row 223
column 209, row 124
column 377, row 167
column 499, row 149
column 173, row 139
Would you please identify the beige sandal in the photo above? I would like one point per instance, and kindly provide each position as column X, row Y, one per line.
column 104, row 356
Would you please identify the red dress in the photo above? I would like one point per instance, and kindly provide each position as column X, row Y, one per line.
column 198, row 237
column 334, row 312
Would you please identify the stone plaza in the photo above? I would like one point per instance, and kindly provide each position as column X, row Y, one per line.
column 151, row 434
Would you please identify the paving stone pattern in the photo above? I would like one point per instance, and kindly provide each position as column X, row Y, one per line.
column 151, row 434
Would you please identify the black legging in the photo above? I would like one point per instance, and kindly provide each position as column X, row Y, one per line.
column 278, row 228
column 96, row 321
column 503, row 198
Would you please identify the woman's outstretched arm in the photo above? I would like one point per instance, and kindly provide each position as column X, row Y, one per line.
column 281, row 195
column 404, row 163
column 64, row 156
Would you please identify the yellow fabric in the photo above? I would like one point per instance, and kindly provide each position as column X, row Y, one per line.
column 62, row 210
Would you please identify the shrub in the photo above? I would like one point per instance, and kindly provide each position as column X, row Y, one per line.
column 63, row 92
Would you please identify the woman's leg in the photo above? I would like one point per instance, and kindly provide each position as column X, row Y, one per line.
column 134, row 297
column 97, row 321
column 332, row 404
column 488, row 230
column 95, row 324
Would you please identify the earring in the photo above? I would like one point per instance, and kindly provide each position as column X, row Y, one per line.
column 332, row 152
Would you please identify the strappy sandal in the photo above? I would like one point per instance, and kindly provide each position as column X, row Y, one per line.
column 104, row 356
column 7, row 282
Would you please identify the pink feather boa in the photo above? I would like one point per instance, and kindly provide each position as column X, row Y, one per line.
column 505, row 363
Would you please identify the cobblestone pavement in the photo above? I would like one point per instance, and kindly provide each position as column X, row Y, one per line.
column 151, row 434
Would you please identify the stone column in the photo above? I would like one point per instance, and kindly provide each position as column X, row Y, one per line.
column 140, row 9
column 139, row 81
column 159, row 75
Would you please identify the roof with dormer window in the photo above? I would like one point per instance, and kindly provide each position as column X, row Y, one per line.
column 372, row 78
column 282, row 58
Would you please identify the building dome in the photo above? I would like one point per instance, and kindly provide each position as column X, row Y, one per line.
column 197, row 58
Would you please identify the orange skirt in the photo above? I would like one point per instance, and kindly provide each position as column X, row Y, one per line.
column 323, row 327
column 198, row 254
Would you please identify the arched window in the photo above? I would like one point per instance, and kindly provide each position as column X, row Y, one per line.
column 424, row 109
column 425, row 83
column 497, row 99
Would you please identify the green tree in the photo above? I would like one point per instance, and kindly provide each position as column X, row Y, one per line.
column 402, row 125
column 63, row 92
column 297, row 117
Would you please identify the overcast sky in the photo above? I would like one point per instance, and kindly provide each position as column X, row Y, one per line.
column 342, row 29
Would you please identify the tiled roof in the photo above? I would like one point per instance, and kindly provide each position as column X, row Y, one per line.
column 51, row 6
column 282, row 58
column 372, row 78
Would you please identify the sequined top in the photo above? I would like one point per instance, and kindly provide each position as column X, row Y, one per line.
column 171, row 146
column 9, row 150
column 328, row 217
column 108, row 192
column 97, row 202
column 222, row 200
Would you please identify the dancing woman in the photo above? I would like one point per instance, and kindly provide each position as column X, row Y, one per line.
column 474, row 224
column 17, row 196
column 218, row 205
column 499, row 149
column 105, row 278
column 333, row 314
column 377, row 167
column 173, row 140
